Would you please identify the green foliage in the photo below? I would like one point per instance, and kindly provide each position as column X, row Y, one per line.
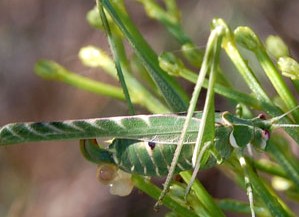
column 169, row 96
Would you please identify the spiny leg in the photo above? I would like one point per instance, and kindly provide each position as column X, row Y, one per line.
column 204, row 139
column 242, row 161
column 249, row 191
column 209, row 57
column 206, row 132
column 197, row 167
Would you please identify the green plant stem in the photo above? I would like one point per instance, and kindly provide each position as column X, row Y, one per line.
column 94, row 86
column 53, row 71
column 154, row 192
column 227, row 92
column 275, row 207
column 296, row 84
column 277, row 81
column 201, row 193
column 230, row 47
column 245, row 71
column 269, row 167
column 284, row 160
column 263, row 192
column 241, row 207
column 171, row 22
column 248, row 39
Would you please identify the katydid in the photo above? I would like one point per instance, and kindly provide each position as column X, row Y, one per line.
column 143, row 139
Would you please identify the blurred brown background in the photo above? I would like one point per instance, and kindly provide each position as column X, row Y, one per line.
column 52, row 179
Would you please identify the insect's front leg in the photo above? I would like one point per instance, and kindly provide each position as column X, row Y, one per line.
column 249, row 190
column 240, row 137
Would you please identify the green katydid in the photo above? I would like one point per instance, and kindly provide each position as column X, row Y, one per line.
column 153, row 132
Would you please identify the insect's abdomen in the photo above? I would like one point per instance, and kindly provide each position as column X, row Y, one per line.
column 147, row 158
column 154, row 159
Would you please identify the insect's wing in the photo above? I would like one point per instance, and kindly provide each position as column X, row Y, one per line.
column 156, row 128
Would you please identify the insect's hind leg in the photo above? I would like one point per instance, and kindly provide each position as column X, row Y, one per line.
column 197, row 167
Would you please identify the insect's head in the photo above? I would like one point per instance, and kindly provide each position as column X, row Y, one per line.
column 254, row 131
column 261, row 137
column 264, row 128
column 255, row 135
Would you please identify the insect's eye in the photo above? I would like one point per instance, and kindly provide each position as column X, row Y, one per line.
column 266, row 134
column 261, row 139
column 262, row 116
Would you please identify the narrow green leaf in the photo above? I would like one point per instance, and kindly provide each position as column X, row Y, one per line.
column 172, row 92
column 154, row 192
column 117, row 59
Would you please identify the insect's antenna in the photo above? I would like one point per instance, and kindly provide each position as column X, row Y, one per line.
column 275, row 119
column 285, row 125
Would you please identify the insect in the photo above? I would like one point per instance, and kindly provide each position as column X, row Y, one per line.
column 148, row 158
column 154, row 129
column 145, row 144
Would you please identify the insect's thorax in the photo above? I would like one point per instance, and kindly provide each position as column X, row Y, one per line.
column 254, row 131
